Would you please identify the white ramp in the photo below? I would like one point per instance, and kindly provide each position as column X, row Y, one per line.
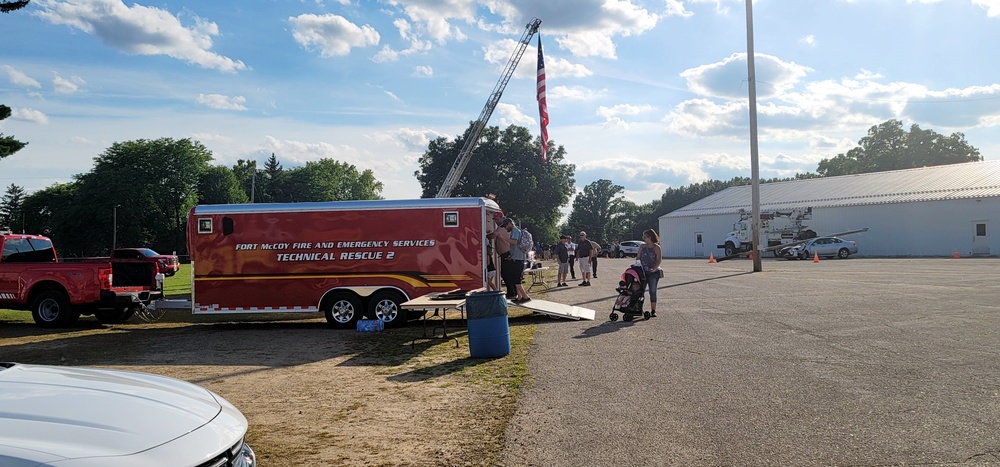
column 556, row 309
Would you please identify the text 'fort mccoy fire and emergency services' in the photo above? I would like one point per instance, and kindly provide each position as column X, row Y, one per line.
column 357, row 250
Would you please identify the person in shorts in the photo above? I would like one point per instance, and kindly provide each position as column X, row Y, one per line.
column 562, row 254
column 583, row 252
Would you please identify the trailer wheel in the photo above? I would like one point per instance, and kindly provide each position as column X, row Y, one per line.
column 116, row 316
column 52, row 308
column 385, row 305
column 343, row 310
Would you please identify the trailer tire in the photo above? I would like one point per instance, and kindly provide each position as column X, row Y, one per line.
column 52, row 309
column 116, row 316
column 343, row 310
column 386, row 306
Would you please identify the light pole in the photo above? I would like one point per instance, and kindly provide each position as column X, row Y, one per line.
column 114, row 235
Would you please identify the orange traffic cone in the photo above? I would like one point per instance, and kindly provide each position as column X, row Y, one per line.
column 815, row 257
column 711, row 258
column 956, row 255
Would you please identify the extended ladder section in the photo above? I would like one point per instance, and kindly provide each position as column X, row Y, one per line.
column 451, row 181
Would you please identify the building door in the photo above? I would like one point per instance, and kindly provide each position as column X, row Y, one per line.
column 980, row 239
column 699, row 247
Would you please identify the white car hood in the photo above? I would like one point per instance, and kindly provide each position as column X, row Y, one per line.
column 92, row 412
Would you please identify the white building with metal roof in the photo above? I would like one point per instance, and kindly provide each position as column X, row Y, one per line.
column 928, row 211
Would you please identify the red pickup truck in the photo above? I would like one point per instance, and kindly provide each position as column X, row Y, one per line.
column 57, row 293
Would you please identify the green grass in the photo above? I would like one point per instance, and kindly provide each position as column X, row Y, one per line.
column 178, row 287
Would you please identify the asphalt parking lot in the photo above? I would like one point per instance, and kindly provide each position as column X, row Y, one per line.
column 841, row 362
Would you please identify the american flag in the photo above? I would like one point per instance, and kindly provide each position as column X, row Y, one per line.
column 543, row 109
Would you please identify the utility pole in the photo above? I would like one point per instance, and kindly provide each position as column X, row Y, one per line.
column 754, row 157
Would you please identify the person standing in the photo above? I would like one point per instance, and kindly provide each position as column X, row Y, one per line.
column 571, row 248
column 501, row 238
column 595, row 251
column 584, row 250
column 650, row 257
column 562, row 254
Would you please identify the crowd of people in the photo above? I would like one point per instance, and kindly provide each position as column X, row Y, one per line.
column 583, row 253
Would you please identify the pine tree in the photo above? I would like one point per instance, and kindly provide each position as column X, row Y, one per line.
column 11, row 206
column 7, row 7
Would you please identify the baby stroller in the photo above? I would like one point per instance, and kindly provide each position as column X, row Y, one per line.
column 631, row 290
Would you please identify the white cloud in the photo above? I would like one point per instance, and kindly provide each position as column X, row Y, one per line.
column 867, row 75
column 19, row 78
column 499, row 53
column 588, row 43
column 222, row 102
column 412, row 140
column 809, row 40
column 622, row 109
column 423, row 71
column 431, row 17
column 29, row 115
column 576, row 93
column 332, row 35
column 992, row 7
column 67, row 86
column 727, row 78
column 393, row 96
column 140, row 30
column 511, row 115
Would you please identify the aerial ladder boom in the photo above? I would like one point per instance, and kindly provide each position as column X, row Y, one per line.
column 451, row 181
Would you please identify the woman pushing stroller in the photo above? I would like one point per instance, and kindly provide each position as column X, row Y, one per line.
column 650, row 257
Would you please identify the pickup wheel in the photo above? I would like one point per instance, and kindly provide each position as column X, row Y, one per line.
column 117, row 316
column 342, row 309
column 52, row 309
column 385, row 305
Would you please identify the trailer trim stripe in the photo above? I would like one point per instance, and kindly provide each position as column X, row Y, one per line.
column 431, row 281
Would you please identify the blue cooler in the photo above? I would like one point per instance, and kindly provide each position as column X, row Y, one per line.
column 489, row 331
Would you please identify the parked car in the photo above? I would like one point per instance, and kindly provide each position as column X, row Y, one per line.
column 629, row 248
column 74, row 416
column 828, row 247
column 168, row 264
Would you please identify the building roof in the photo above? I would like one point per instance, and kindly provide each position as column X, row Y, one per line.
column 944, row 182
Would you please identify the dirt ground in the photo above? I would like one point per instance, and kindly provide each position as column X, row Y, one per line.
column 314, row 395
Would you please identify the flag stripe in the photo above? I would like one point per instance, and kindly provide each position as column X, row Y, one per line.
column 543, row 110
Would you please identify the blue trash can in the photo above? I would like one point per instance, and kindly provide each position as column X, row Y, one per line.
column 489, row 331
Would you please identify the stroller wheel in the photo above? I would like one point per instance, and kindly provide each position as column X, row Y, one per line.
column 646, row 315
column 613, row 316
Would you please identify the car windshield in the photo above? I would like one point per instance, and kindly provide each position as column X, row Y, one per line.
column 147, row 252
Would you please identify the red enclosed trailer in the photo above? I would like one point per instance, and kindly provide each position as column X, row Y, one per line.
column 347, row 259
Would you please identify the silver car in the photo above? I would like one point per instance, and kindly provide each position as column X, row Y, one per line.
column 827, row 247
column 629, row 248
column 76, row 417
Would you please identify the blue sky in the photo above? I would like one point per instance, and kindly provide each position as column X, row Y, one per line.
column 647, row 93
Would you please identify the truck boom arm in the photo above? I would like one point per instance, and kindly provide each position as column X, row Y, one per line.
column 451, row 181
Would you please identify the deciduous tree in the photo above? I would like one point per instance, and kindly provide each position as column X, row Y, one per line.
column 506, row 164
column 888, row 147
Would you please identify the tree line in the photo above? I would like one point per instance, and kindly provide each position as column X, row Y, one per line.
column 139, row 192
